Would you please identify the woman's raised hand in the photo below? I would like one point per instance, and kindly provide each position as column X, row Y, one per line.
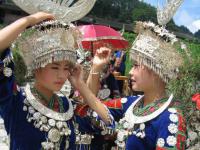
column 38, row 17
column 76, row 76
column 101, row 58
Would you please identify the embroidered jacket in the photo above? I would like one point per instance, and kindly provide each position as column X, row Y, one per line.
column 165, row 132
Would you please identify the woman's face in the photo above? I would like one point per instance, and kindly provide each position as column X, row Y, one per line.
column 141, row 78
column 53, row 75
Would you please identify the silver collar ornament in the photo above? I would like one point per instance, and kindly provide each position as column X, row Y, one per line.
column 127, row 124
column 47, row 120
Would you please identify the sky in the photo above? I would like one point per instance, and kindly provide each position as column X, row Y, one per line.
column 188, row 14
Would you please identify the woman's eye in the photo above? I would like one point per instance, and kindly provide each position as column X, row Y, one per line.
column 66, row 68
column 55, row 68
column 136, row 65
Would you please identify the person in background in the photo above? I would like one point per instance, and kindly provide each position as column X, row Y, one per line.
column 120, row 66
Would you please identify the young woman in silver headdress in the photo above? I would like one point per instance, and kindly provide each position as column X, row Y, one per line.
column 36, row 117
column 153, row 120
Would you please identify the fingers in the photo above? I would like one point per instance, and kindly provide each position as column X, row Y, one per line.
column 103, row 52
column 39, row 17
column 76, row 70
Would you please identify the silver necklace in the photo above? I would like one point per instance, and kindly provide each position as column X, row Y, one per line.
column 133, row 119
column 47, row 120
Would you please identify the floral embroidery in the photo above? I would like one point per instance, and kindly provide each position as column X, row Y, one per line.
column 180, row 142
column 160, row 148
column 173, row 128
column 124, row 100
column 113, row 104
column 172, row 110
column 173, row 118
column 196, row 98
column 161, row 142
column 171, row 140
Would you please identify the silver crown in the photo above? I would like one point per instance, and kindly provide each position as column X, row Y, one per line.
column 48, row 42
column 63, row 10
column 156, row 50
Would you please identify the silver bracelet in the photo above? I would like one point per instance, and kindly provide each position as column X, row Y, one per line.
column 95, row 73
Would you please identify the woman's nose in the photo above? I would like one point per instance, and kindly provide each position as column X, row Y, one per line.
column 131, row 71
column 62, row 74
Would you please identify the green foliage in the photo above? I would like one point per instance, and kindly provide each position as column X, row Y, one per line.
column 129, row 11
column 187, row 83
column 114, row 9
column 144, row 12
column 197, row 34
column 130, row 37
column 20, row 67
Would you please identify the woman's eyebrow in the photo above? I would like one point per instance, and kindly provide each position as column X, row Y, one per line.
column 56, row 64
column 67, row 65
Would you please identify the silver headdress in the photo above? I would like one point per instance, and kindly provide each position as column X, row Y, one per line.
column 155, row 48
column 52, row 40
column 63, row 10
column 48, row 42
column 164, row 15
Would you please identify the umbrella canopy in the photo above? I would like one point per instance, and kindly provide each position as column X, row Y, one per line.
column 96, row 36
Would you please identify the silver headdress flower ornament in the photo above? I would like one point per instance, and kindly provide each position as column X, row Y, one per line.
column 164, row 15
column 155, row 48
column 52, row 40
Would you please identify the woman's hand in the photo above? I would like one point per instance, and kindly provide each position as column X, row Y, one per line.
column 76, row 76
column 101, row 58
column 11, row 32
column 38, row 17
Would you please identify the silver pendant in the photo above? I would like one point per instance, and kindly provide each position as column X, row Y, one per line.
column 54, row 135
column 66, row 144
column 47, row 145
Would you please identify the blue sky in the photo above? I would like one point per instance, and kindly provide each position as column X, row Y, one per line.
column 188, row 14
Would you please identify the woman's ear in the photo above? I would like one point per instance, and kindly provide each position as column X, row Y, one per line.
column 143, row 67
column 36, row 72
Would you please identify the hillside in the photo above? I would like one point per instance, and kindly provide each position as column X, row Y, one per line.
column 128, row 11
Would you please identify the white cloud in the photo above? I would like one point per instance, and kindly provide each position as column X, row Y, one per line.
column 194, row 26
column 183, row 17
column 188, row 14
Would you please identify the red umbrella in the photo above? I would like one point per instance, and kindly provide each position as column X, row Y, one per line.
column 96, row 36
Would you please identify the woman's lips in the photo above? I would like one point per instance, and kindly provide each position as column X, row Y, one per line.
column 132, row 80
column 59, row 83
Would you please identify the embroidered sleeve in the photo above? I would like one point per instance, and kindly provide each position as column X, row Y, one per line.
column 172, row 131
column 119, row 106
column 90, row 122
column 7, row 84
column 115, row 108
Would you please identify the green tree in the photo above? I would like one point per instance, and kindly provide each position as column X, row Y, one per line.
column 20, row 67
column 197, row 34
column 144, row 12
